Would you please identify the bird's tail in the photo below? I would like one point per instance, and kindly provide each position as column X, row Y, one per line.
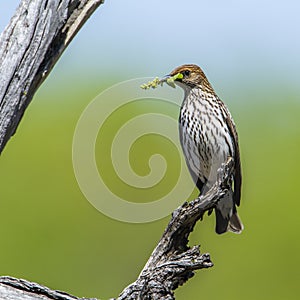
column 227, row 218
column 235, row 225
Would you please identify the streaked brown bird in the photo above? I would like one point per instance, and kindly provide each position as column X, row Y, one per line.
column 208, row 138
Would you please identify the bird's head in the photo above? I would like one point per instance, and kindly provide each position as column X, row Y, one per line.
column 188, row 76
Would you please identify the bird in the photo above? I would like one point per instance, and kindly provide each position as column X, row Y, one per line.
column 208, row 138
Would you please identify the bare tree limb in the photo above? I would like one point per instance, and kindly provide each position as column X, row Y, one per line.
column 173, row 262
column 19, row 289
column 30, row 46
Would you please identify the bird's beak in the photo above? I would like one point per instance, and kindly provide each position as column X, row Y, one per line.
column 170, row 79
column 165, row 78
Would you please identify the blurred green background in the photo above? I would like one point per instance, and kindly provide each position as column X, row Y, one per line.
column 52, row 235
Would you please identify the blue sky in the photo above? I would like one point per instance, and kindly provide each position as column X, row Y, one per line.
column 231, row 40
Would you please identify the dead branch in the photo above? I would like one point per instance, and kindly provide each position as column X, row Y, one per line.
column 173, row 262
column 30, row 46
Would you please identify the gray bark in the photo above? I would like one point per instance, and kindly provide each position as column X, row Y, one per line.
column 173, row 262
column 30, row 45
column 19, row 289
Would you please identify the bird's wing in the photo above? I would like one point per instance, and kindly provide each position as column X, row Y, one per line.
column 237, row 161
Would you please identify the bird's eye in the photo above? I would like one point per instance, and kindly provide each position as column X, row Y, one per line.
column 186, row 73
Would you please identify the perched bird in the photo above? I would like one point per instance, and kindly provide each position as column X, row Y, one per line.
column 208, row 138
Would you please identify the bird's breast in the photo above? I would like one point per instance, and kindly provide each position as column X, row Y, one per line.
column 204, row 136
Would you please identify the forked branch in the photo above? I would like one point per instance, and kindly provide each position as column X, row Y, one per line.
column 173, row 262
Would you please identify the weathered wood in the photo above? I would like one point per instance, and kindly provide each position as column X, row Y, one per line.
column 30, row 45
column 19, row 289
column 173, row 262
